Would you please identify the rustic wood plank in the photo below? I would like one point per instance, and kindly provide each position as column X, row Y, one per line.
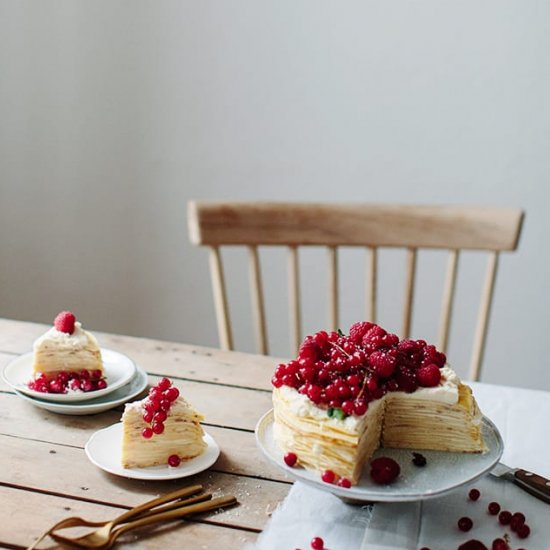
column 277, row 223
column 158, row 356
column 207, row 398
column 70, row 473
column 26, row 515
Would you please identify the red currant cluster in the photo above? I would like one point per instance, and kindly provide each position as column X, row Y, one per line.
column 63, row 382
column 345, row 373
column 156, row 407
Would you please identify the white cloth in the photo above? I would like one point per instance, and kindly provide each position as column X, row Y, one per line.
column 521, row 415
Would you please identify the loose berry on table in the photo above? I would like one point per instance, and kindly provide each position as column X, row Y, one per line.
column 474, row 494
column 317, row 543
column 465, row 523
column 504, row 517
column 493, row 508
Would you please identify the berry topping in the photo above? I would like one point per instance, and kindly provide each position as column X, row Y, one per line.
column 465, row 524
column 419, row 460
column 428, row 376
column 474, row 494
column 64, row 322
column 157, row 427
column 290, row 459
column 493, row 508
column 317, row 543
column 384, row 470
column 174, row 461
column 346, row 372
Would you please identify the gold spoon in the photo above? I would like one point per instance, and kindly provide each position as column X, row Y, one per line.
column 105, row 537
column 138, row 511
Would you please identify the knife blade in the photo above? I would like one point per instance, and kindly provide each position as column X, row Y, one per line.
column 534, row 484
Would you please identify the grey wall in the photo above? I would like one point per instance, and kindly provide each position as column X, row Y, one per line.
column 114, row 114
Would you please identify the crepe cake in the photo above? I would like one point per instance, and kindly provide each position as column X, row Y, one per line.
column 67, row 358
column 347, row 395
column 161, row 429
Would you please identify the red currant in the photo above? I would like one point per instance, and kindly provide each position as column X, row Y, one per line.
column 290, row 459
column 344, row 482
column 493, row 508
column 474, row 494
column 158, row 427
column 317, row 543
column 504, row 517
column 147, row 433
column 328, row 476
column 174, row 461
column 164, row 384
column 465, row 524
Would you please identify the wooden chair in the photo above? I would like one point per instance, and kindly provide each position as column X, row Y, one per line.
column 372, row 226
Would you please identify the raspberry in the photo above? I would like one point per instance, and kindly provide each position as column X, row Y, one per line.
column 406, row 380
column 372, row 336
column 358, row 330
column 384, row 470
column 428, row 376
column 431, row 355
column 383, row 363
column 64, row 322
column 309, row 349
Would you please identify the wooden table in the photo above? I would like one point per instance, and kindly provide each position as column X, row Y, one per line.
column 45, row 475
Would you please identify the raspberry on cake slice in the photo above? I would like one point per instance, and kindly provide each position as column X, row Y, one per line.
column 67, row 358
column 161, row 429
column 343, row 397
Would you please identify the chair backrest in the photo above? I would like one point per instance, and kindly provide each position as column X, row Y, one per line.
column 373, row 226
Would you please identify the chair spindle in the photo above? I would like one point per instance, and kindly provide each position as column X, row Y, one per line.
column 294, row 299
column 448, row 300
column 257, row 296
column 333, row 288
column 409, row 292
column 220, row 299
column 372, row 282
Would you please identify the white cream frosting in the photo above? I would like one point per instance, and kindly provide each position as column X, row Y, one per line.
column 301, row 406
column 78, row 339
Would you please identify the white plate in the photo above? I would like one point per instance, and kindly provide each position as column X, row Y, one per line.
column 443, row 472
column 119, row 370
column 104, row 449
column 99, row 404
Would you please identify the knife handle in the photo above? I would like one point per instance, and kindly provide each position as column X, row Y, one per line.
column 537, row 485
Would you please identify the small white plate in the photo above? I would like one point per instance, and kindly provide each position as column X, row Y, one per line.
column 104, row 449
column 119, row 370
column 443, row 472
column 99, row 404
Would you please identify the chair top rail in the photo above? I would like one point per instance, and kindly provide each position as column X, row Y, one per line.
column 297, row 224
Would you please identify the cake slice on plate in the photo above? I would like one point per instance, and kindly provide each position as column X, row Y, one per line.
column 346, row 396
column 161, row 429
column 67, row 357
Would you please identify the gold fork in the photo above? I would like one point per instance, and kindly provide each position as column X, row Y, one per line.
column 138, row 511
column 106, row 536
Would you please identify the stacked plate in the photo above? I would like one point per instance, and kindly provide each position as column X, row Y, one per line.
column 125, row 380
